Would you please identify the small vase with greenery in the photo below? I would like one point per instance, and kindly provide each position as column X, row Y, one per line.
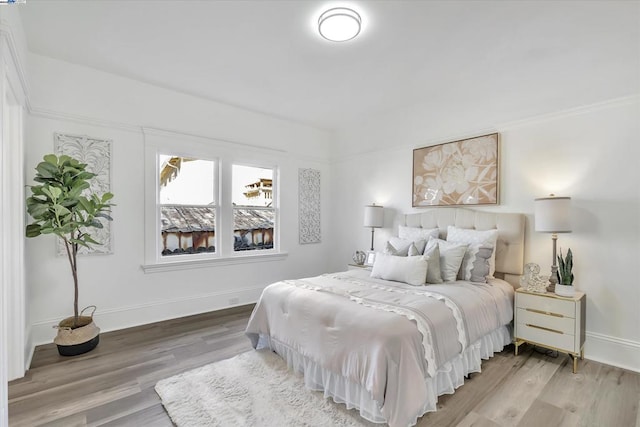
column 62, row 204
column 565, row 274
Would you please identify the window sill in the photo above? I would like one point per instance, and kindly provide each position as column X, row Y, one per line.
column 212, row 262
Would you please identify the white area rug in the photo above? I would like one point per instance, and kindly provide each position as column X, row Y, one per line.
column 252, row 389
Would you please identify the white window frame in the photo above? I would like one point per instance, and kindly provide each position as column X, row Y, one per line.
column 224, row 154
column 216, row 201
column 275, row 205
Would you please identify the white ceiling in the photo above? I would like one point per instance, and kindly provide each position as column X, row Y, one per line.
column 266, row 55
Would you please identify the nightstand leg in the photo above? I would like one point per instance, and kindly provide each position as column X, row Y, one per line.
column 575, row 364
column 582, row 354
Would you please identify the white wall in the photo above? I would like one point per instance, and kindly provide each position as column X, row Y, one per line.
column 72, row 99
column 590, row 154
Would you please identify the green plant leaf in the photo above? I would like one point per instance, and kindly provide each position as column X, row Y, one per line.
column 104, row 215
column 51, row 159
column 55, row 192
column 89, row 239
column 47, row 192
column 38, row 210
column 84, row 203
column 46, row 170
column 61, row 210
column 33, row 230
column 95, row 223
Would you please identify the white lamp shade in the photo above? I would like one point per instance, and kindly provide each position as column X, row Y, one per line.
column 373, row 216
column 552, row 214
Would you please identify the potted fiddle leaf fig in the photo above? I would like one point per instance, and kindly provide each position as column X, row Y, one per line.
column 62, row 204
column 564, row 287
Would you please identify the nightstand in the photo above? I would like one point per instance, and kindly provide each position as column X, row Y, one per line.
column 551, row 321
column 358, row 267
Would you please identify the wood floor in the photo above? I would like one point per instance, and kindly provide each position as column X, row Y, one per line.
column 113, row 385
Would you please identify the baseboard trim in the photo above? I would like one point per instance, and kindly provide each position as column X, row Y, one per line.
column 614, row 351
column 29, row 351
column 126, row 317
column 601, row 348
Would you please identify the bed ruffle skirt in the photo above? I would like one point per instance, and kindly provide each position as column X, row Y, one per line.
column 448, row 378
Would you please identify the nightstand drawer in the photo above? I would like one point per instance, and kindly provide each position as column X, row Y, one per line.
column 544, row 304
column 531, row 316
column 547, row 338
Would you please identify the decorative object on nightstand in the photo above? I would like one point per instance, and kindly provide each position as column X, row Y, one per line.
column 552, row 216
column 532, row 281
column 551, row 321
column 359, row 257
column 374, row 218
column 564, row 287
column 371, row 256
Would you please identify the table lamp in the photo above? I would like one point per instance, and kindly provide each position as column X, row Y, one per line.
column 374, row 218
column 552, row 216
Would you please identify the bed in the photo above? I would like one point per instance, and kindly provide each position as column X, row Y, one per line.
column 386, row 348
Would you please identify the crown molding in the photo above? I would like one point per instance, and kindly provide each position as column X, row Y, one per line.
column 575, row 111
column 85, row 120
column 173, row 134
column 6, row 35
column 501, row 127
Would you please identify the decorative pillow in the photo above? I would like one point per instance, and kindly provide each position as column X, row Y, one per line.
column 451, row 255
column 481, row 265
column 434, row 275
column 400, row 247
column 413, row 250
column 410, row 270
column 481, row 238
column 416, row 233
column 389, row 249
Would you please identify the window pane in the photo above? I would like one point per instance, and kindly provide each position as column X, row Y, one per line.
column 186, row 181
column 187, row 209
column 252, row 186
column 253, row 212
column 253, row 229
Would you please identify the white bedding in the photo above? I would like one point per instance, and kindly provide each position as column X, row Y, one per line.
column 384, row 347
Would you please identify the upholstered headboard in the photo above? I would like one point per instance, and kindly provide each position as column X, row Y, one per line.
column 510, row 226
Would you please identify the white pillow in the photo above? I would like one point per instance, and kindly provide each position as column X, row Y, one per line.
column 414, row 251
column 486, row 238
column 416, row 233
column 434, row 275
column 410, row 270
column 451, row 255
column 400, row 247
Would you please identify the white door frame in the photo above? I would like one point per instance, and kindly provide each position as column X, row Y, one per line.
column 13, row 333
column 4, row 412
column 13, row 234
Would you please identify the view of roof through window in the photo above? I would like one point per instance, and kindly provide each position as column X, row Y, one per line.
column 188, row 206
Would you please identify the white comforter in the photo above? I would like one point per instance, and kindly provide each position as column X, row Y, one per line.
column 386, row 336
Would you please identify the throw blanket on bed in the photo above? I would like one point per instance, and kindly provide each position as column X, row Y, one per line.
column 385, row 336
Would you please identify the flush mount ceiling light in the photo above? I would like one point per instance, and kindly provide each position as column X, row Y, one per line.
column 339, row 24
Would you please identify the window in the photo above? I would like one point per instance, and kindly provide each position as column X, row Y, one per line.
column 253, row 210
column 188, row 206
column 208, row 202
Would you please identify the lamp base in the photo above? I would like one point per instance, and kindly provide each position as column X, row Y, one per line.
column 551, row 288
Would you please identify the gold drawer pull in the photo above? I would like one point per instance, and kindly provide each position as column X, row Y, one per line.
column 544, row 329
column 544, row 312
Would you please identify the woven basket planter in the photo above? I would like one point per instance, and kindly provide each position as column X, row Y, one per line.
column 82, row 339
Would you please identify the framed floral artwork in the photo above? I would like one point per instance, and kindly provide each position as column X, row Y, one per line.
column 463, row 172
